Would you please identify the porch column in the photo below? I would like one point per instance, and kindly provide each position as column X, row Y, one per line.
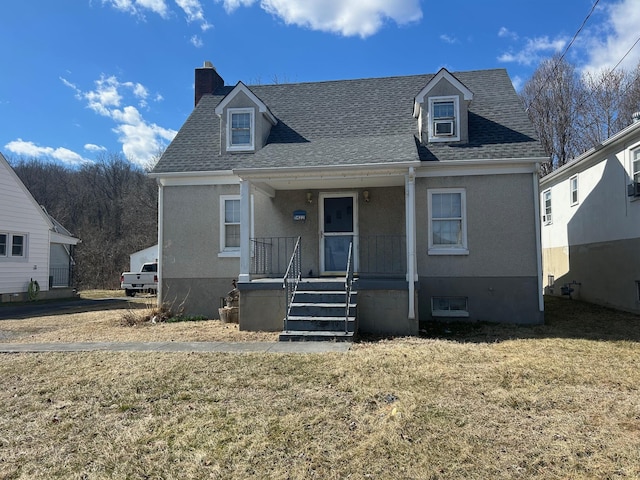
column 245, row 231
column 410, row 212
column 159, row 294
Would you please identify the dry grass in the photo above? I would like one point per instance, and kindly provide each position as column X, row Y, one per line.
column 478, row 402
column 106, row 325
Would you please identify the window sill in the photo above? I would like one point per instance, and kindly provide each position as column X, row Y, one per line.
column 229, row 254
column 450, row 313
column 240, row 148
column 448, row 251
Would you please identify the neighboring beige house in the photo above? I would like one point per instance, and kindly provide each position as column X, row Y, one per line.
column 591, row 224
column 431, row 179
column 34, row 247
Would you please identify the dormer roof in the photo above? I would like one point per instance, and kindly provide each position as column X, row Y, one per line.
column 241, row 87
column 443, row 73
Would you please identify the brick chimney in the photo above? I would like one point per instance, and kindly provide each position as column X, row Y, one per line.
column 207, row 81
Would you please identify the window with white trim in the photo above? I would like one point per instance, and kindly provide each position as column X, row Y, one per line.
column 449, row 307
column 447, row 221
column 635, row 166
column 546, row 206
column 240, row 129
column 13, row 245
column 573, row 190
column 444, row 114
column 230, row 223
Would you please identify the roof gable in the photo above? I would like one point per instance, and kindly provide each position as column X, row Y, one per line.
column 241, row 87
column 442, row 74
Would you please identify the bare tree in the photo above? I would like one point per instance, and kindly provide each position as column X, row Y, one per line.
column 111, row 205
column 552, row 98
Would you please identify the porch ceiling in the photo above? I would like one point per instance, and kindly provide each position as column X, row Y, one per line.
column 327, row 178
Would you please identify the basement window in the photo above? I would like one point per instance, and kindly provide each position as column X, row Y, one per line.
column 449, row 307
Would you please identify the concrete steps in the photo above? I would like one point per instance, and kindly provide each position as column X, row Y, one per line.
column 318, row 312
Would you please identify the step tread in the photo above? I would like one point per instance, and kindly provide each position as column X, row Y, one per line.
column 326, row 333
column 320, row 319
column 322, row 304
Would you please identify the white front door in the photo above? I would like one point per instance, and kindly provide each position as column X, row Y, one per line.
column 338, row 228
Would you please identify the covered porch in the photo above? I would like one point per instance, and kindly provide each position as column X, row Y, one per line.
column 330, row 226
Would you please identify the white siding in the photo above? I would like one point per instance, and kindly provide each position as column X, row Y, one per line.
column 21, row 215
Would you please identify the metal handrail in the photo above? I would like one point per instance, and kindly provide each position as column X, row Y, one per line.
column 348, row 283
column 291, row 280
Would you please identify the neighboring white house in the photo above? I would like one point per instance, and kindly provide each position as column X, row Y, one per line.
column 591, row 224
column 137, row 259
column 35, row 250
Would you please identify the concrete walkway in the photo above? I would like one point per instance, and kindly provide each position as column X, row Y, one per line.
column 224, row 347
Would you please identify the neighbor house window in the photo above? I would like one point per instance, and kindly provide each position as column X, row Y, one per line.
column 17, row 245
column 230, row 223
column 546, row 199
column 449, row 307
column 573, row 188
column 13, row 245
column 444, row 116
column 635, row 166
column 240, row 131
column 447, row 221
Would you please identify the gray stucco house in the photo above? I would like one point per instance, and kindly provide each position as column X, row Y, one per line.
column 431, row 179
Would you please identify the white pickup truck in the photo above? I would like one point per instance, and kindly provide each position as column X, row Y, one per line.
column 146, row 280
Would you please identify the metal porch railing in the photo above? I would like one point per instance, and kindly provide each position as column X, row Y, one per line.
column 291, row 280
column 348, row 284
column 270, row 255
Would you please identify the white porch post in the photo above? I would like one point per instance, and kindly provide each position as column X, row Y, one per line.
column 159, row 295
column 410, row 212
column 245, row 231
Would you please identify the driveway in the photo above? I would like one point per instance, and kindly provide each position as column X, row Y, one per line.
column 59, row 307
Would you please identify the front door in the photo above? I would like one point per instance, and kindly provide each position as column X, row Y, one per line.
column 338, row 228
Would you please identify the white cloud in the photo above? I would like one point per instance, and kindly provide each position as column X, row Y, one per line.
column 504, row 32
column 194, row 12
column 345, row 17
column 534, row 50
column 141, row 140
column 448, row 39
column 618, row 33
column 30, row 149
column 192, row 9
column 95, row 148
column 137, row 7
column 196, row 41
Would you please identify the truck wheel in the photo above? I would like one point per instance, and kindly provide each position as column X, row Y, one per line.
column 129, row 293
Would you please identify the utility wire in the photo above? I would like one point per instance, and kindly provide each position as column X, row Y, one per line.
column 557, row 64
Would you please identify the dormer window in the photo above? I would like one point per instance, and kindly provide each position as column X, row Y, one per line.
column 444, row 113
column 241, row 128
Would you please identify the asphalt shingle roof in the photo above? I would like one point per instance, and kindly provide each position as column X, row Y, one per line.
column 352, row 122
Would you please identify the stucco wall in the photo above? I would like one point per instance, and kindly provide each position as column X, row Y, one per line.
column 191, row 267
column 499, row 276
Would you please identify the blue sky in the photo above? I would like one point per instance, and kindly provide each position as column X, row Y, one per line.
column 81, row 78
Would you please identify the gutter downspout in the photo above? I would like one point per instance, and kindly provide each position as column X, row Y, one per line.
column 160, row 239
column 410, row 209
column 536, row 203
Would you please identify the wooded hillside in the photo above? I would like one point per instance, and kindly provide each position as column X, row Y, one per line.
column 111, row 205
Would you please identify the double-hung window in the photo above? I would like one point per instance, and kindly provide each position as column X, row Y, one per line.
column 240, row 129
column 444, row 113
column 230, row 223
column 573, row 190
column 447, row 222
column 635, row 166
column 13, row 245
column 546, row 205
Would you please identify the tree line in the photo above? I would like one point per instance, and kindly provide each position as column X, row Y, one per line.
column 573, row 112
column 110, row 205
